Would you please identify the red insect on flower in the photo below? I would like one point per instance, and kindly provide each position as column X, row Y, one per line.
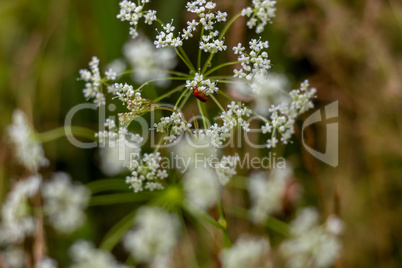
column 199, row 95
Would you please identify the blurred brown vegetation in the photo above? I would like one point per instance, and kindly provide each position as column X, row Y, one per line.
column 355, row 51
column 350, row 50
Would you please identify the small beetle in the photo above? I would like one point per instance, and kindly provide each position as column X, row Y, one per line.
column 199, row 95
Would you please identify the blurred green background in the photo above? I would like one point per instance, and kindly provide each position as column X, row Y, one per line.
column 350, row 51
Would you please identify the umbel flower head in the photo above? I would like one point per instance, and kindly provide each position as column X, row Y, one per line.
column 195, row 114
column 277, row 108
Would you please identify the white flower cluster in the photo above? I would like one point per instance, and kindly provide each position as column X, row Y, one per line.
column 248, row 252
column 116, row 148
column 93, row 83
column 210, row 44
column 148, row 62
column 110, row 132
column 174, row 124
column 235, row 116
column 253, row 63
column 110, row 74
column 166, row 37
column 261, row 13
column 17, row 221
column 301, row 98
column 85, row 255
column 201, row 188
column 208, row 19
column 146, row 173
column 205, row 86
column 226, row 168
column 267, row 192
column 131, row 12
column 283, row 116
column 312, row 244
column 155, row 234
column 28, row 150
column 191, row 27
column 64, row 202
column 123, row 91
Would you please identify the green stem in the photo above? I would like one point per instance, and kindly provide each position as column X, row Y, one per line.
column 222, row 221
column 178, row 73
column 132, row 72
column 278, row 226
column 117, row 232
column 272, row 223
column 120, row 198
column 189, row 130
column 201, row 214
column 206, row 218
column 199, row 49
column 188, row 240
column 110, row 184
column 187, row 58
column 202, row 114
column 205, row 67
column 185, row 100
column 217, row 102
column 226, row 95
column 184, row 60
column 226, row 28
column 59, row 132
column 181, row 96
column 225, row 81
column 221, row 66
column 261, row 117
column 159, row 143
column 166, row 109
column 160, row 79
column 167, row 94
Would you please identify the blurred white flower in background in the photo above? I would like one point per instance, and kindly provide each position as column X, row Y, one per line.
column 264, row 90
column 269, row 89
column 155, row 234
column 192, row 154
column 14, row 257
column 267, row 192
column 64, row 202
column 148, row 62
column 247, row 252
column 47, row 262
column 85, row 255
column 27, row 147
column 201, row 187
column 312, row 244
column 16, row 214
